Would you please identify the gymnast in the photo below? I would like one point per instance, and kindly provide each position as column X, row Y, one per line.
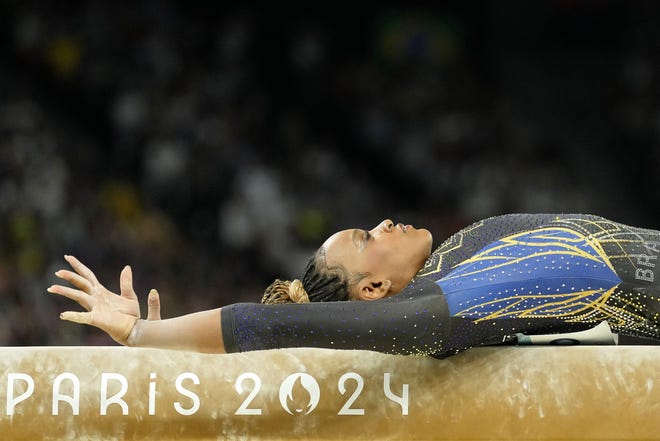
column 383, row 290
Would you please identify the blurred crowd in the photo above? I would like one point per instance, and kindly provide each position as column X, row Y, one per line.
column 214, row 148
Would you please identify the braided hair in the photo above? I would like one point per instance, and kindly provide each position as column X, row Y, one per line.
column 320, row 283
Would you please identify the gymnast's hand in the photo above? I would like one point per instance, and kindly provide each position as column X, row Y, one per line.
column 112, row 313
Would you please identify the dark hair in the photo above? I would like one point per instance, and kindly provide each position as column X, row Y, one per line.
column 320, row 283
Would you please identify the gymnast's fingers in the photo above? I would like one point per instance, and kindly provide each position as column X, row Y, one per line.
column 81, row 269
column 153, row 305
column 84, row 318
column 74, row 294
column 126, row 283
column 74, row 279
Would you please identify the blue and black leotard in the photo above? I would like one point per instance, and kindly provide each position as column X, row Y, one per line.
column 518, row 273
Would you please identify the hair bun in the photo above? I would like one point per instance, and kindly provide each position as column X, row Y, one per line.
column 285, row 291
column 297, row 292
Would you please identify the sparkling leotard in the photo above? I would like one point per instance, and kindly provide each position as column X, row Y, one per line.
column 518, row 273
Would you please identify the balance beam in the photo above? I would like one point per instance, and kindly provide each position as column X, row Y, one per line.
column 558, row 393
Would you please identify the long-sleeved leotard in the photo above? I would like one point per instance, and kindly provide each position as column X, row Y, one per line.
column 518, row 273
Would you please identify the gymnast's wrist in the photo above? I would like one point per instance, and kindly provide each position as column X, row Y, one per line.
column 135, row 335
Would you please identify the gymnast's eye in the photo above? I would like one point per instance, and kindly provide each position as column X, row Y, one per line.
column 367, row 236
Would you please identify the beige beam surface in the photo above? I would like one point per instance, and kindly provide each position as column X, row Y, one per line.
column 578, row 392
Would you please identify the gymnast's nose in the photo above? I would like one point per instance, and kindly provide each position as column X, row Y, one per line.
column 387, row 225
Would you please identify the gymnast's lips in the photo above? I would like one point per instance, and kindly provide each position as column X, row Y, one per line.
column 404, row 228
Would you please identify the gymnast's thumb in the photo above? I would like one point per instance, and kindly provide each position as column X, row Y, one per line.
column 153, row 305
column 84, row 318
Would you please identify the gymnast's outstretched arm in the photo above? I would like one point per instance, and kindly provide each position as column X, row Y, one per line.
column 415, row 322
column 119, row 315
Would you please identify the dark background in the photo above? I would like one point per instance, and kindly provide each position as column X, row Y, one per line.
column 213, row 148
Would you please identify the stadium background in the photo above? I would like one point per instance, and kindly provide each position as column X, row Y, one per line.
column 213, row 148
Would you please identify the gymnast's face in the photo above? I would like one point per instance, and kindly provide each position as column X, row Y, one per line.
column 389, row 254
